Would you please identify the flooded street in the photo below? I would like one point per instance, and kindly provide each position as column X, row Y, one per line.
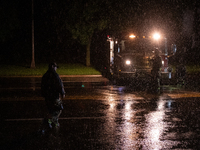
column 99, row 115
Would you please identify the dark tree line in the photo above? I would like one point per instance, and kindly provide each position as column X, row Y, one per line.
column 67, row 31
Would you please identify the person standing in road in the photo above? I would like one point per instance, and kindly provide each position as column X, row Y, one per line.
column 53, row 90
column 180, row 72
column 156, row 68
column 157, row 64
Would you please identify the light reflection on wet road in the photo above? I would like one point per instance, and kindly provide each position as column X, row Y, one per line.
column 99, row 115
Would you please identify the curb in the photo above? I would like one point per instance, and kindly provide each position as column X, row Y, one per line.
column 62, row 76
column 95, row 76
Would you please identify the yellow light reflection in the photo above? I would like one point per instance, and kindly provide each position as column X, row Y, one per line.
column 128, row 110
column 184, row 94
column 111, row 103
column 128, row 106
column 155, row 127
column 128, row 127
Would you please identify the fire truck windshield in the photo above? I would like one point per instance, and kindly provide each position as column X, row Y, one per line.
column 130, row 46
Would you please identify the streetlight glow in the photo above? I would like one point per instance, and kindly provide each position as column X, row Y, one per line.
column 156, row 36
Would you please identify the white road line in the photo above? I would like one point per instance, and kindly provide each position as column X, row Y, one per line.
column 79, row 97
column 67, row 118
column 27, row 119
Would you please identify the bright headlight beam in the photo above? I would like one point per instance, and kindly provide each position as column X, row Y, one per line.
column 128, row 62
column 132, row 36
column 156, row 36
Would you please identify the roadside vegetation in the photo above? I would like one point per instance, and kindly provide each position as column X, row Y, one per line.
column 193, row 69
column 190, row 69
column 64, row 69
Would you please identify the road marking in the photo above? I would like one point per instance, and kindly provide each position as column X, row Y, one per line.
column 66, row 118
column 27, row 119
column 184, row 94
column 78, row 97
column 20, row 88
column 114, row 97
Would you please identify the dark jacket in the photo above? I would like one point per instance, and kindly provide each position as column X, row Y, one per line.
column 157, row 63
column 51, row 85
column 180, row 70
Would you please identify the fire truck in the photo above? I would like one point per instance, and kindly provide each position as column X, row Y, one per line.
column 132, row 56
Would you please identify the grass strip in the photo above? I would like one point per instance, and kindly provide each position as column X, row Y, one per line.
column 190, row 69
column 64, row 69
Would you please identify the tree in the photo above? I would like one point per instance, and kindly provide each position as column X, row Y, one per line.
column 84, row 17
column 81, row 18
column 9, row 20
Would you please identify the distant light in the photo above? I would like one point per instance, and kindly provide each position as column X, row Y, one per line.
column 156, row 36
column 132, row 36
column 108, row 38
column 128, row 62
column 162, row 62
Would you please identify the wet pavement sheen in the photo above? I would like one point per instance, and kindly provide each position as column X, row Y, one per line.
column 100, row 116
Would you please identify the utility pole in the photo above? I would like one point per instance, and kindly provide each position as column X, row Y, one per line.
column 166, row 50
column 33, row 51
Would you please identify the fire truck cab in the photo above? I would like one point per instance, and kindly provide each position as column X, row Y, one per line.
column 132, row 56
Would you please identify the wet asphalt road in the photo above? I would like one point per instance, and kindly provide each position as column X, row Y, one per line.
column 99, row 115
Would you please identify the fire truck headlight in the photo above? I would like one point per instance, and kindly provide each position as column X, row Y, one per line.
column 156, row 36
column 128, row 62
column 132, row 36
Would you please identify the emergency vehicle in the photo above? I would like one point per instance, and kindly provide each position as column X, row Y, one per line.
column 132, row 55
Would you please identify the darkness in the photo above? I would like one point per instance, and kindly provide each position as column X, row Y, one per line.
column 49, row 44
column 53, row 40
